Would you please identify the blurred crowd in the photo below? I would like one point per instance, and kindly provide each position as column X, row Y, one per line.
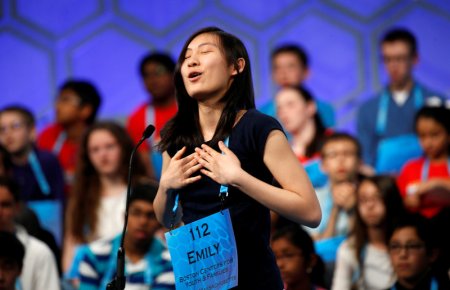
column 384, row 192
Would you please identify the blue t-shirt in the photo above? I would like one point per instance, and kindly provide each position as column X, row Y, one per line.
column 251, row 220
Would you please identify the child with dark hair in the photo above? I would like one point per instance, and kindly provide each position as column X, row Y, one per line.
column 301, row 268
column 12, row 253
column 39, row 269
column 147, row 264
column 37, row 171
column 413, row 250
column 363, row 260
column 291, row 67
column 76, row 106
column 425, row 182
column 156, row 70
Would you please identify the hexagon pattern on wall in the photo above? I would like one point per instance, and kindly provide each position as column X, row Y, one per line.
column 340, row 35
column 55, row 17
column 26, row 73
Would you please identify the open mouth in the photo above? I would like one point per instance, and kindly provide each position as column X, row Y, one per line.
column 194, row 75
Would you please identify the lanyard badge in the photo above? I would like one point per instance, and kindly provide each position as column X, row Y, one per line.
column 204, row 253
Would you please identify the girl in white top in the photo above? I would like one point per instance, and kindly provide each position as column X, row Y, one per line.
column 363, row 260
column 97, row 202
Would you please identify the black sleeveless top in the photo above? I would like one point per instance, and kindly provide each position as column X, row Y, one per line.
column 251, row 220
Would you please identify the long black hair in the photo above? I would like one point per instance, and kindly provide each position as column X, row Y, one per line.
column 184, row 128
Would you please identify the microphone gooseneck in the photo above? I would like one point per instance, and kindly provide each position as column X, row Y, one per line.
column 118, row 283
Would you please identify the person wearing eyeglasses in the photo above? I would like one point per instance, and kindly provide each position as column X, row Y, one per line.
column 413, row 252
column 389, row 115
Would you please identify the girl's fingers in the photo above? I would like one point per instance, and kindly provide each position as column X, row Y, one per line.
column 179, row 153
column 207, row 173
column 192, row 179
column 224, row 148
column 209, row 150
column 203, row 154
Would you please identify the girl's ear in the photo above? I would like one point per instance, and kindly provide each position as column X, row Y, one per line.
column 240, row 64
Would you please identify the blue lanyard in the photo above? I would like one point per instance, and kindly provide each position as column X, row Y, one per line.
column 426, row 169
column 223, row 192
column 38, row 173
column 434, row 285
column 383, row 107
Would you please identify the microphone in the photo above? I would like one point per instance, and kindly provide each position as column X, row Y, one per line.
column 118, row 283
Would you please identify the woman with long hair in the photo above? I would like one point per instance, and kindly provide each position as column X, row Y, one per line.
column 297, row 111
column 215, row 107
column 363, row 259
column 97, row 201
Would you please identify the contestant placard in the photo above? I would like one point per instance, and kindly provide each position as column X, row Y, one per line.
column 204, row 254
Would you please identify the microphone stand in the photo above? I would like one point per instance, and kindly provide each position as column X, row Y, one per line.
column 118, row 283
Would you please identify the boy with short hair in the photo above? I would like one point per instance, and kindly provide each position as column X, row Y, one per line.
column 39, row 266
column 341, row 159
column 147, row 260
column 413, row 250
column 76, row 108
column 290, row 67
column 38, row 172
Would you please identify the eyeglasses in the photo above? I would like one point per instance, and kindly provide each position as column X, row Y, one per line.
column 395, row 248
column 12, row 127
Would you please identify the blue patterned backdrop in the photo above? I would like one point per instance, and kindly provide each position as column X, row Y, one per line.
column 43, row 42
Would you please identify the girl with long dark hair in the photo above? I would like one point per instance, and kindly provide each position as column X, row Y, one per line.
column 216, row 103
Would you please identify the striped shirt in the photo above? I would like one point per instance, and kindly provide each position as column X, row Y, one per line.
column 98, row 267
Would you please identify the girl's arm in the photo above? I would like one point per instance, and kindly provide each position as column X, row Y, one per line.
column 296, row 199
column 176, row 173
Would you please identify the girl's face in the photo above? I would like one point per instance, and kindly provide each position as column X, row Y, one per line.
column 433, row 137
column 293, row 110
column 370, row 204
column 290, row 261
column 104, row 152
column 205, row 71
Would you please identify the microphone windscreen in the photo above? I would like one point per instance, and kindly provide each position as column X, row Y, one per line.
column 148, row 131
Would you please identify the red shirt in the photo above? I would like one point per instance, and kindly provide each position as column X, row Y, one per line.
column 412, row 174
column 53, row 139
column 140, row 118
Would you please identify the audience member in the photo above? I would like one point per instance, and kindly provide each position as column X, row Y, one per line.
column 39, row 269
column 76, row 108
column 38, row 172
column 413, row 251
column 297, row 113
column 5, row 163
column 341, row 158
column 147, row 263
column 290, row 67
column 156, row 70
column 363, row 260
column 11, row 260
column 388, row 117
column 425, row 182
column 301, row 268
column 97, row 201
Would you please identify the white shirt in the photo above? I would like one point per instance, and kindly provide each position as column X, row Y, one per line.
column 377, row 269
column 39, row 269
column 110, row 216
column 400, row 97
